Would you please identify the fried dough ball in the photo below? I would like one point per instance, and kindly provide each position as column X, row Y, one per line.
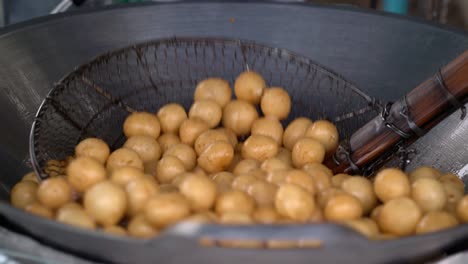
column 208, row 137
column 338, row 179
column 168, row 168
column 165, row 209
column 284, row 155
column 138, row 192
column 435, row 221
column 146, row 147
column 375, row 212
column 236, row 202
column 276, row 103
column 429, row 194
column 277, row 177
column 191, row 129
column 216, row 157
column 106, row 202
column 31, row 176
column 263, row 193
column 208, row 111
column 390, row 184
column 294, row 202
column 268, row 126
column 243, row 182
column 184, row 153
column 73, row 214
column 343, row 207
column 150, row 167
column 168, row 188
column 259, row 147
column 245, row 166
column 84, row 172
column 235, row 219
column 168, row 140
column 215, row 89
column 324, row 132
column 265, row 215
column 115, row 230
column 232, row 137
column 462, row 209
column 301, row 179
column 365, row 226
column 454, row 179
column 142, row 124
column 199, row 190
column 223, row 180
column 325, row 195
column 38, row 209
column 399, row 216
column 273, row 164
column 124, row 157
column 317, row 216
column 424, row 172
column 362, row 189
column 139, row 227
column 239, row 116
column 93, row 148
column 54, row 192
column 23, row 194
column 307, row 150
column 320, row 174
column 454, row 194
column 123, row 175
column 249, row 86
column 295, row 131
column 171, row 116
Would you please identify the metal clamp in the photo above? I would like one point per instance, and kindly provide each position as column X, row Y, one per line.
column 452, row 99
column 385, row 114
column 407, row 115
column 343, row 153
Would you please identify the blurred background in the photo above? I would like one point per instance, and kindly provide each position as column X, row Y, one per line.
column 452, row 12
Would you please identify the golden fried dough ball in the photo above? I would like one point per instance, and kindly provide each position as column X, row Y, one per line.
column 139, row 227
column 115, row 230
column 236, row 202
column 249, row 87
column 223, row 180
column 168, row 140
column 343, row 207
column 362, row 189
column 429, row 194
column 243, row 182
column 424, row 172
column 38, row 209
column 365, row 226
column 23, row 193
column 30, row 176
column 124, row 175
column 259, row 147
column 208, row 111
column 185, row 153
column 168, row 188
column 301, row 179
column 235, row 219
column 216, row 157
column 138, row 192
column 93, row 148
column 273, row 164
column 374, row 215
column 324, row 132
column 239, row 116
column 168, row 168
column 191, row 129
column 284, row 155
column 124, row 157
column 320, row 174
column 54, row 192
column 324, row 196
column 245, row 166
column 215, row 89
column 390, row 184
column 435, row 221
column 454, row 194
column 146, row 147
column 208, row 137
column 73, row 214
column 295, row 131
column 454, row 179
column 268, row 126
column 171, row 116
column 294, row 202
column 105, row 202
column 399, row 216
column 277, row 177
column 165, row 209
column 338, row 179
column 150, row 167
column 142, row 124
column 84, row 172
column 263, row 193
column 265, row 215
column 307, row 150
column 462, row 209
column 199, row 190
column 276, row 103
column 317, row 216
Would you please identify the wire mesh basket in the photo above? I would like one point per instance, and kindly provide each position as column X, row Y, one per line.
column 95, row 99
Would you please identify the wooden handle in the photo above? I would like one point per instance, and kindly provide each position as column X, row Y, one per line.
column 423, row 107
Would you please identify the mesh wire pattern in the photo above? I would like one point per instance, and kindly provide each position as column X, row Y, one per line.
column 95, row 99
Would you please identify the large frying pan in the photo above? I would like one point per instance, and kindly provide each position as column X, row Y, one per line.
column 385, row 55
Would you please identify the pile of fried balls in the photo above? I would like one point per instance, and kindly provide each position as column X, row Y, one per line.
column 222, row 162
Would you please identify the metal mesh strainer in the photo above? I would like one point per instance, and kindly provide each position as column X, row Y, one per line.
column 95, row 99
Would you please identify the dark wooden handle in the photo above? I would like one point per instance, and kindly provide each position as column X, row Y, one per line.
column 426, row 105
